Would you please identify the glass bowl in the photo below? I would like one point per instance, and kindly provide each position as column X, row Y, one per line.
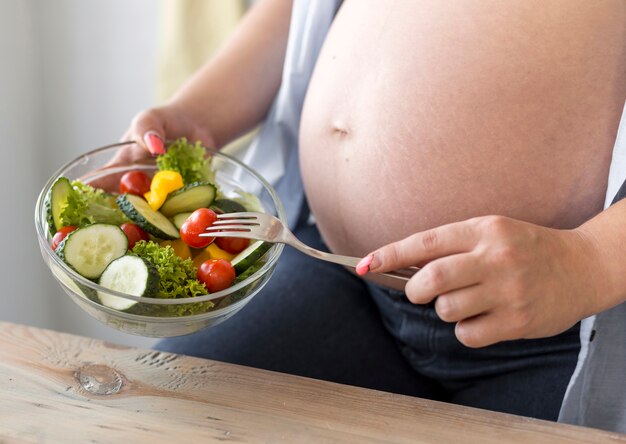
column 153, row 317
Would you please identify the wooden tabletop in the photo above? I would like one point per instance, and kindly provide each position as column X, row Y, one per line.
column 57, row 387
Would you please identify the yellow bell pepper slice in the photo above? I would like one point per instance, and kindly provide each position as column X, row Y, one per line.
column 181, row 249
column 212, row 252
column 217, row 253
column 163, row 183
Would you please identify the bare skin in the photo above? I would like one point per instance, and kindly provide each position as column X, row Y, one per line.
column 423, row 120
column 438, row 123
column 416, row 121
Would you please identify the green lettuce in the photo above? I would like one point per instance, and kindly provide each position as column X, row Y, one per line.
column 189, row 160
column 177, row 275
column 177, row 280
column 88, row 205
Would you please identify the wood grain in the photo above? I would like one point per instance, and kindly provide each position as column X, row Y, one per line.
column 167, row 397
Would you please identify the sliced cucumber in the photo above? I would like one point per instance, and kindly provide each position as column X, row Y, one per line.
column 248, row 272
column 190, row 198
column 227, row 206
column 56, row 201
column 89, row 250
column 131, row 275
column 153, row 222
column 249, row 256
column 245, row 291
column 180, row 219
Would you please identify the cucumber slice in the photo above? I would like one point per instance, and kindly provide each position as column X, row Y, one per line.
column 153, row 222
column 89, row 250
column 128, row 274
column 243, row 292
column 190, row 198
column 56, row 201
column 180, row 219
column 248, row 272
column 227, row 206
column 249, row 256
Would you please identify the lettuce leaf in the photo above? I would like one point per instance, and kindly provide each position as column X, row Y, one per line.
column 189, row 160
column 177, row 275
column 177, row 280
column 88, row 205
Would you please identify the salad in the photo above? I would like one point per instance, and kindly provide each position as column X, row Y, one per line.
column 145, row 240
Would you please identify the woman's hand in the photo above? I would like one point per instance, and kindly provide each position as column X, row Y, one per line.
column 497, row 278
column 149, row 130
column 152, row 127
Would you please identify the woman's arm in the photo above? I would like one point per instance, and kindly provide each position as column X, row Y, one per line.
column 230, row 94
column 607, row 233
column 233, row 91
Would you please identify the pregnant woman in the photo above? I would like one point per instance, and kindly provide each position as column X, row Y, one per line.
column 473, row 139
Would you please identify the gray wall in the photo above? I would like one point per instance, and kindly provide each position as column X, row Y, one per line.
column 72, row 75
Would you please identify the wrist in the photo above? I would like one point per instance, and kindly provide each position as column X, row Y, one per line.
column 596, row 271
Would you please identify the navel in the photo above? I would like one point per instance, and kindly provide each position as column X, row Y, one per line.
column 340, row 130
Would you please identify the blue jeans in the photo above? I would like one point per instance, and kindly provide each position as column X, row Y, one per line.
column 316, row 319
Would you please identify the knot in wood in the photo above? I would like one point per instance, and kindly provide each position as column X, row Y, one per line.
column 99, row 379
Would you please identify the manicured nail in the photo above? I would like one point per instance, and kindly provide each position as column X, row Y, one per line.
column 376, row 261
column 364, row 265
column 154, row 143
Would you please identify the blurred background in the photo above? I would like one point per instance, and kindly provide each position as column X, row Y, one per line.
column 73, row 73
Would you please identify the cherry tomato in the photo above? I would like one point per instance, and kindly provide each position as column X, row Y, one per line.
column 233, row 245
column 195, row 225
column 134, row 234
column 217, row 274
column 135, row 182
column 60, row 235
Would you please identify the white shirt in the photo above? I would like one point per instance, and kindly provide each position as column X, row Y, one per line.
column 274, row 153
column 596, row 395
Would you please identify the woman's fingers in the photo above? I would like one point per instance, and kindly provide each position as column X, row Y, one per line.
column 498, row 278
column 421, row 247
column 443, row 275
column 464, row 303
column 148, row 131
column 482, row 330
column 128, row 155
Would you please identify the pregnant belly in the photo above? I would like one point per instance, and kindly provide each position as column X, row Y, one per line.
column 400, row 132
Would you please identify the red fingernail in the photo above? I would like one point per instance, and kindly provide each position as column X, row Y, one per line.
column 364, row 265
column 154, row 143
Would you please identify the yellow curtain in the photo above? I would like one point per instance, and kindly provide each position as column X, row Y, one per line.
column 190, row 32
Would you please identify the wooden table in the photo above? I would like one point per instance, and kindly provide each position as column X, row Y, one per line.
column 61, row 388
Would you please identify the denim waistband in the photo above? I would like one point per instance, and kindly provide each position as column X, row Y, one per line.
column 399, row 295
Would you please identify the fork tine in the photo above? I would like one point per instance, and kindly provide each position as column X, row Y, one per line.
column 247, row 222
column 214, row 228
column 245, row 234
